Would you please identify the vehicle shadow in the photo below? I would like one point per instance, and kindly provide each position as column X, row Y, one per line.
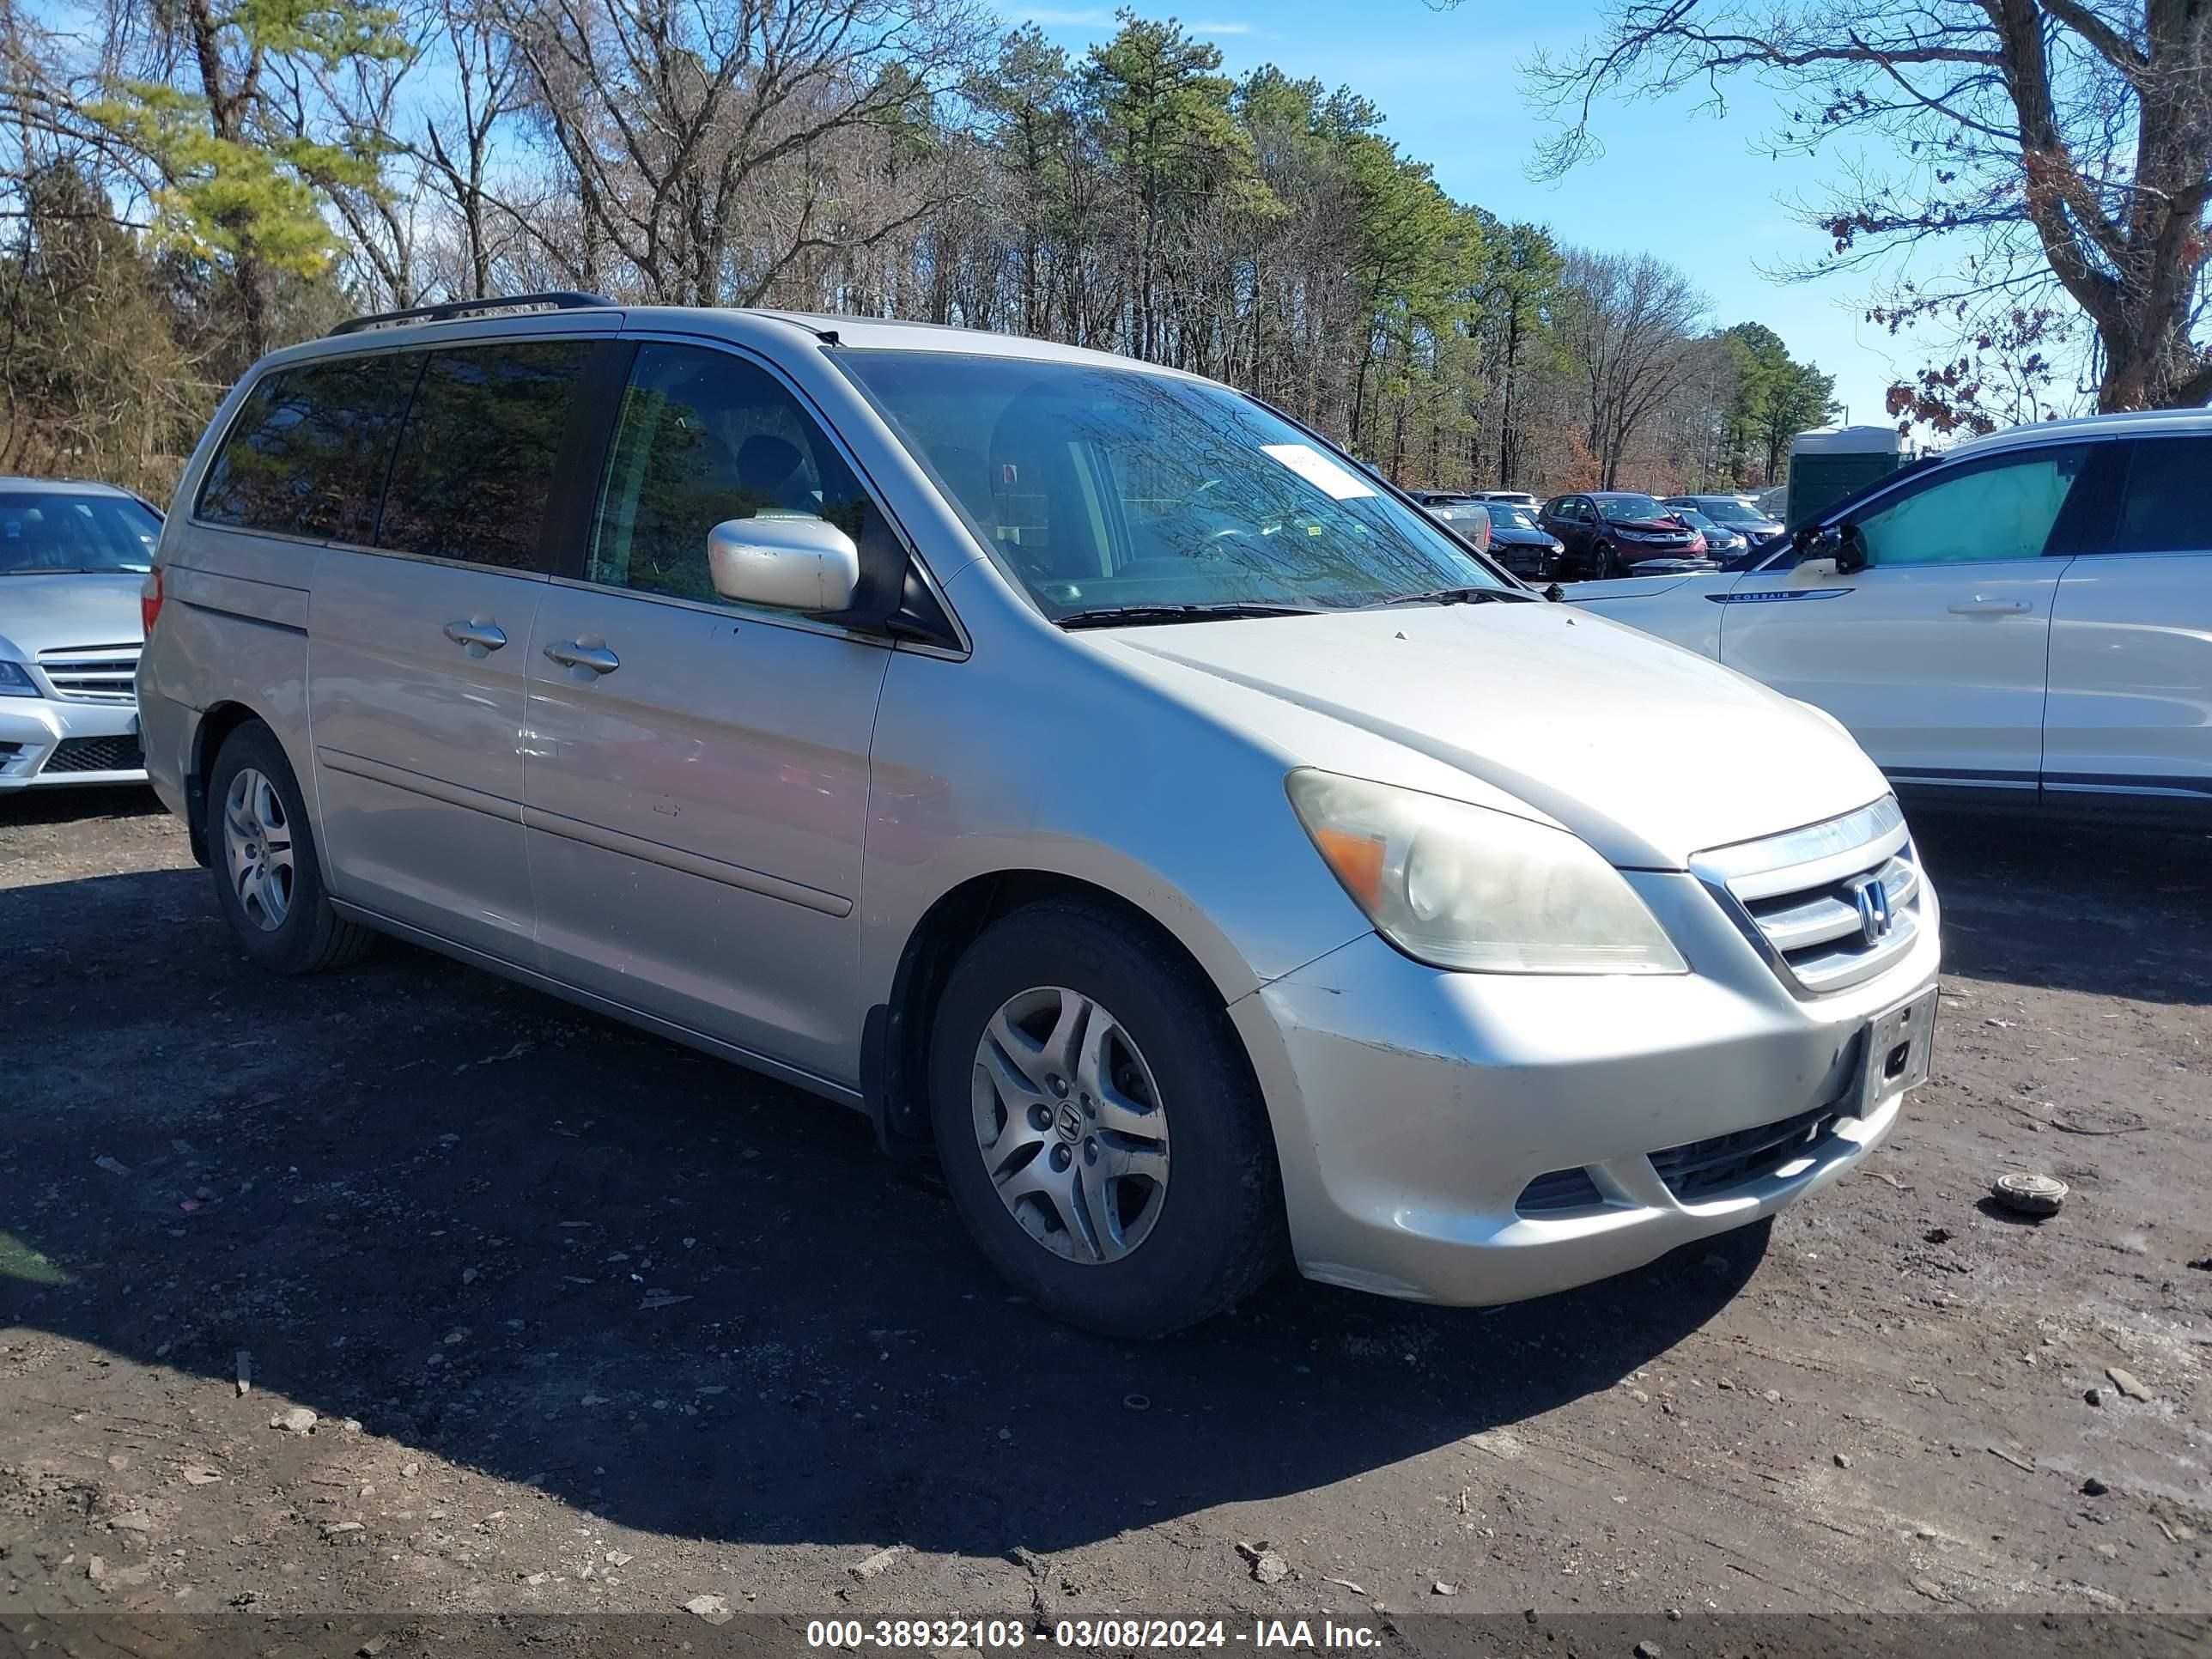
column 542, row 1246
column 2113, row 912
column 119, row 800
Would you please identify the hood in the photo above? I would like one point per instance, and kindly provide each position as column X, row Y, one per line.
column 1674, row 564
column 1649, row 752
column 1520, row 538
column 43, row 613
column 1629, row 587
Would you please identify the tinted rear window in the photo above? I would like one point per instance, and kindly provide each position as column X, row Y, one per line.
column 2167, row 508
column 306, row 453
column 474, row 467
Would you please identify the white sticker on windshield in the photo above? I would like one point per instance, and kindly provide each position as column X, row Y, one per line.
column 1317, row 470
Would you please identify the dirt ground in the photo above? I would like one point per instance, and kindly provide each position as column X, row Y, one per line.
column 588, row 1322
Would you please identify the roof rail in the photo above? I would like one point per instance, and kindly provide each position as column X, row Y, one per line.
column 452, row 310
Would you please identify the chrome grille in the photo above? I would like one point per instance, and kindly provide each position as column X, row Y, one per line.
column 91, row 674
column 1797, row 897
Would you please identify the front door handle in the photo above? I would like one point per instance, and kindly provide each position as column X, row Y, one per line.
column 573, row 653
column 1990, row 608
column 480, row 633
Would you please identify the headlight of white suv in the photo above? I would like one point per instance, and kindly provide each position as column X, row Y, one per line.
column 15, row 680
column 1466, row 888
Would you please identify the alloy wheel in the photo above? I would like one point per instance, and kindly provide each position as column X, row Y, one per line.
column 1070, row 1124
column 257, row 839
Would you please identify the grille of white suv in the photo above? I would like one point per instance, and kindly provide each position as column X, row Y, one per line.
column 1829, row 906
column 91, row 674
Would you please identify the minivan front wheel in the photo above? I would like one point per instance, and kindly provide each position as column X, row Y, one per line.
column 1069, row 1117
column 269, row 881
column 1097, row 1124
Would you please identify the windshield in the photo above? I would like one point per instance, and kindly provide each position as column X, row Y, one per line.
column 1732, row 513
column 1098, row 487
column 1505, row 516
column 46, row 532
column 1620, row 509
column 1694, row 519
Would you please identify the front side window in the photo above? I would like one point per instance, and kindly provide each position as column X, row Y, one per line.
column 306, row 453
column 474, row 467
column 1988, row 513
column 50, row 533
column 705, row 437
column 1101, row 489
column 2167, row 508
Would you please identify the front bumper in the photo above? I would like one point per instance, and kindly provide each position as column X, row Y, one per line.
column 1412, row 1108
column 52, row 743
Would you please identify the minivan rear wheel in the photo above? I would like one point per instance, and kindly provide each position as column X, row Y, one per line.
column 1097, row 1124
column 268, row 879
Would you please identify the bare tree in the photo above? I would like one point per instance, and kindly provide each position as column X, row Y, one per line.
column 1632, row 324
column 457, row 146
column 702, row 135
column 2070, row 141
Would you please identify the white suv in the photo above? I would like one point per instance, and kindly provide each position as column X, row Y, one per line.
column 1072, row 763
column 2025, row 620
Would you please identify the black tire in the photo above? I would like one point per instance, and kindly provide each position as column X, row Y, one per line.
column 311, row 938
column 1219, row 1233
column 1609, row 563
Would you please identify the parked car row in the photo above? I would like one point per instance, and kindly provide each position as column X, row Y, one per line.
column 1076, row 765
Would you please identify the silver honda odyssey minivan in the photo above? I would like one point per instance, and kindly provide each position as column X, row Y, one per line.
column 1079, row 767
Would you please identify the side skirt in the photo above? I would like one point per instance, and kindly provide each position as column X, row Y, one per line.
column 843, row 1094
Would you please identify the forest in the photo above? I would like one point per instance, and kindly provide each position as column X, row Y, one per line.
column 187, row 183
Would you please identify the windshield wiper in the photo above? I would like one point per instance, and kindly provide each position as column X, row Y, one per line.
column 1141, row 616
column 1453, row 596
column 52, row 570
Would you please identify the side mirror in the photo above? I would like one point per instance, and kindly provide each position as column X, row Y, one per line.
column 790, row 561
column 1850, row 551
column 1819, row 554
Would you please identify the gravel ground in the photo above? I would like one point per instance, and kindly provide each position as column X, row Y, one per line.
column 588, row 1322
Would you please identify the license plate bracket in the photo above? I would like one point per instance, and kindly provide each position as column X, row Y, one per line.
column 1897, row 1051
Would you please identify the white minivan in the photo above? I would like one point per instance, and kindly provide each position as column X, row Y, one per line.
column 1076, row 765
column 2022, row 622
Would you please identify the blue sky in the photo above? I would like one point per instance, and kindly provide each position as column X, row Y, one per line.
column 1673, row 181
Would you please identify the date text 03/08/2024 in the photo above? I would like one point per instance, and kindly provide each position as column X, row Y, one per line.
column 1084, row 1635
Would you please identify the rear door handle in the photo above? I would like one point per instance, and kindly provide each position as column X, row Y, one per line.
column 479, row 633
column 1990, row 608
column 573, row 653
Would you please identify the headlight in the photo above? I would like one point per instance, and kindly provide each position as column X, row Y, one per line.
column 16, row 681
column 1463, row 887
